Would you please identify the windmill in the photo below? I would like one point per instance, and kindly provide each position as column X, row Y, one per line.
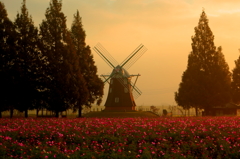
column 122, row 90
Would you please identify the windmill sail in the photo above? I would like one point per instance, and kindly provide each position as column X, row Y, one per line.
column 104, row 54
column 133, row 57
column 122, row 91
column 135, row 90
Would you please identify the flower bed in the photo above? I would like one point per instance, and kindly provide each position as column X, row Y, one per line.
column 186, row 137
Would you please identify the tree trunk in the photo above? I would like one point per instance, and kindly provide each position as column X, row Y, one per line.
column 26, row 113
column 196, row 109
column 11, row 112
column 37, row 112
column 57, row 114
column 79, row 112
column 0, row 114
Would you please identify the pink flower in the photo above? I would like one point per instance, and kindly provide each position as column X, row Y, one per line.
column 8, row 138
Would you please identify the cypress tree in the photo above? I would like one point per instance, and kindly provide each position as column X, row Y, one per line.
column 77, row 86
column 206, row 81
column 236, row 82
column 7, row 60
column 27, row 63
column 87, row 65
column 65, row 84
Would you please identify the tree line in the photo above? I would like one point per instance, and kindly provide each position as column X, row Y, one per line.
column 49, row 66
column 207, row 81
column 52, row 67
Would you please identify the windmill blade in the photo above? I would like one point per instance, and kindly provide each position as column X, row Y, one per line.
column 135, row 91
column 135, row 79
column 133, row 57
column 106, row 78
column 104, row 54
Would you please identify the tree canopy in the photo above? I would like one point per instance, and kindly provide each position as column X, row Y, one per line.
column 236, row 82
column 50, row 67
column 206, row 81
column 27, row 61
column 89, row 70
column 66, row 85
column 7, row 55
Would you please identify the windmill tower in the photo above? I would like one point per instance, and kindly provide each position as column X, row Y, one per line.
column 122, row 90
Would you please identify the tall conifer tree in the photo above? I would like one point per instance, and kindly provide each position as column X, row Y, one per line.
column 27, row 62
column 66, row 85
column 7, row 55
column 206, row 81
column 87, row 64
column 236, row 82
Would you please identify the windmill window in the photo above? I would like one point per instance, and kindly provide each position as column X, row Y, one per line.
column 111, row 82
column 116, row 100
column 110, row 90
column 126, row 90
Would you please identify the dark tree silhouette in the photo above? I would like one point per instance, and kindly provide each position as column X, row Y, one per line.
column 165, row 112
column 7, row 60
column 236, row 82
column 87, row 64
column 206, row 81
column 66, row 86
column 27, row 61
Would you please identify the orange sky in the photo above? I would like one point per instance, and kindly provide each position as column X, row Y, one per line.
column 165, row 27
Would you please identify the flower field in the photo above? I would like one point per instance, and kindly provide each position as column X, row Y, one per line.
column 182, row 137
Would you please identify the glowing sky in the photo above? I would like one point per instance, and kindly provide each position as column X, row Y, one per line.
column 165, row 27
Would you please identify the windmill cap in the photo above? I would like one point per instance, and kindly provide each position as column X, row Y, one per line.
column 119, row 72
